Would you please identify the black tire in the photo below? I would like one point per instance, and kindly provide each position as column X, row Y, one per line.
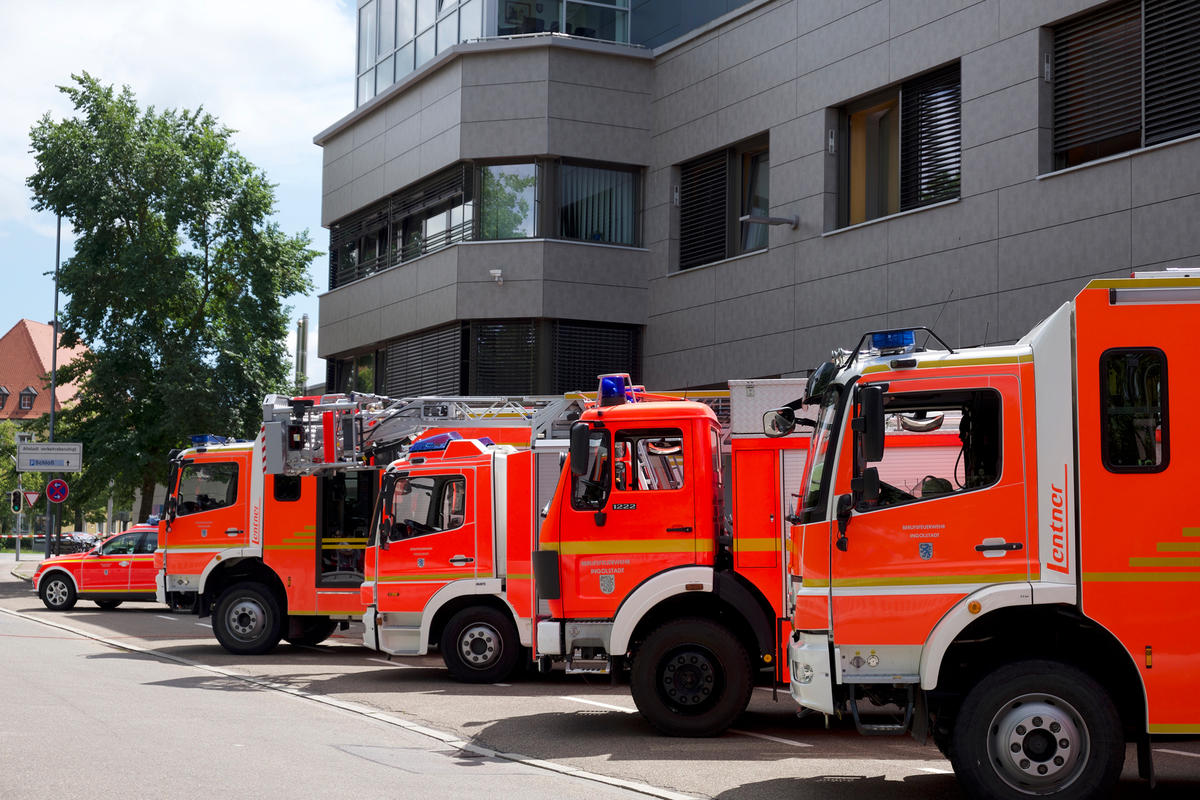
column 247, row 620
column 313, row 630
column 1010, row 734
column 480, row 645
column 691, row 677
column 108, row 605
column 57, row 592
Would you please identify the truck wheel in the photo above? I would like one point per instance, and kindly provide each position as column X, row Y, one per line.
column 691, row 677
column 480, row 645
column 247, row 621
column 108, row 605
column 311, row 630
column 1038, row 728
column 57, row 591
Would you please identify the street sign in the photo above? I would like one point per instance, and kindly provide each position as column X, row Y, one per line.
column 49, row 456
column 57, row 491
column 31, row 498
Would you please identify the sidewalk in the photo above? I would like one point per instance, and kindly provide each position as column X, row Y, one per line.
column 24, row 568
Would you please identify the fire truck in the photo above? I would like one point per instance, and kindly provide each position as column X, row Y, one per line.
column 1034, row 609
column 269, row 537
column 633, row 564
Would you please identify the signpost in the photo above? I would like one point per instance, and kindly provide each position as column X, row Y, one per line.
column 49, row 456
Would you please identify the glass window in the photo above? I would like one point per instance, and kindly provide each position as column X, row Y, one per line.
column 1133, row 410
column 426, row 13
column 425, row 46
column 366, row 37
column 406, row 19
column 3, row 396
column 755, row 199
column 146, row 543
column 384, row 75
column 206, row 486
column 366, row 86
column 364, row 373
column 447, row 32
column 417, row 506
column 471, row 21
column 508, row 201
column 387, row 26
column 589, row 491
column 347, row 499
column 596, row 22
column 648, row 460
column 597, row 205
column 522, row 16
column 404, row 60
column 286, row 488
column 918, row 464
column 26, row 400
column 902, row 148
column 122, row 545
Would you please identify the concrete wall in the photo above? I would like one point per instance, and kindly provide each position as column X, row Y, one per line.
column 985, row 268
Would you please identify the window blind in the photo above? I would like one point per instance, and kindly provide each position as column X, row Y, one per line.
column 703, row 189
column 930, row 138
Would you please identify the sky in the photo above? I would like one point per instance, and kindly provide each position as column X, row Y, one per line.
column 276, row 71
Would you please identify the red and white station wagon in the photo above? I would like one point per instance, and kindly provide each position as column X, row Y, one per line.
column 118, row 569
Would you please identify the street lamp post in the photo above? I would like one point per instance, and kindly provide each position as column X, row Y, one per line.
column 50, row 507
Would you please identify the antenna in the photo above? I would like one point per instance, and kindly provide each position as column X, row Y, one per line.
column 940, row 310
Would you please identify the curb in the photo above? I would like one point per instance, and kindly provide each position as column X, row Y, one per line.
column 15, row 574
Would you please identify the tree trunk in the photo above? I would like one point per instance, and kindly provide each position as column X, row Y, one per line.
column 147, row 504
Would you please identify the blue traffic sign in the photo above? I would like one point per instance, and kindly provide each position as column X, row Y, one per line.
column 57, row 491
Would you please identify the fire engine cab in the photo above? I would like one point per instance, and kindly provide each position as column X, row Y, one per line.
column 1033, row 608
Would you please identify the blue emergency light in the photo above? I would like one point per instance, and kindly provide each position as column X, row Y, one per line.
column 434, row 443
column 894, row 341
column 205, row 439
column 612, row 389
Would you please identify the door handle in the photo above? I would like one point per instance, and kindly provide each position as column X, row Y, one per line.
column 123, row 563
column 991, row 547
column 458, row 561
column 680, row 529
column 232, row 532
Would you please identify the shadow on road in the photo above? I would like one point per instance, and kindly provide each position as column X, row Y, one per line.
column 849, row 787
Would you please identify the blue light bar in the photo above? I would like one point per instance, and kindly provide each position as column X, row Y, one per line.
column 893, row 340
column 612, row 389
column 204, row 439
column 434, row 443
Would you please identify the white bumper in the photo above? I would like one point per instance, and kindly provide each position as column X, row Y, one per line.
column 811, row 682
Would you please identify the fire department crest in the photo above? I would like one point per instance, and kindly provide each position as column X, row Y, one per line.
column 608, row 583
column 925, row 549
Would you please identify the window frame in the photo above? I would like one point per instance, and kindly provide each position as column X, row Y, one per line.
column 1163, row 411
column 697, row 208
column 436, row 499
column 191, row 465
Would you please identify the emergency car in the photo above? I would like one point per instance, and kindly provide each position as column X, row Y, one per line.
column 1032, row 609
column 118, row 569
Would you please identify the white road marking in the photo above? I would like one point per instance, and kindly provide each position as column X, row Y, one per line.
column 1176, row 752
column 602, row 705
column 396, row 664
column 204, row 624
column 163, row 616
column 770, row 738
column 936, row 771
column 506, row 685
column 449, row 739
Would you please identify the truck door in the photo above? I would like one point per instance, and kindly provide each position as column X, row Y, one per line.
column 107, row 569
column 950, row 518
column 428, row 521
column 210, row 511
column 631, row 517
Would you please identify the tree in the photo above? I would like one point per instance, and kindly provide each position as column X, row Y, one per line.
column 176, row 286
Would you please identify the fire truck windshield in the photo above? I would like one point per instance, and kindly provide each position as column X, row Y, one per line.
column 823, row 441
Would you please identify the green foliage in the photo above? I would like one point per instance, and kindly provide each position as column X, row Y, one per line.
column 506, row 198
column 176, row 286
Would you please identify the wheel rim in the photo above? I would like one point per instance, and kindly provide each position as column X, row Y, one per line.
column 246, row 619
column 690, row 679
column 1038, row 743
column 480, row 645
column 56, row 592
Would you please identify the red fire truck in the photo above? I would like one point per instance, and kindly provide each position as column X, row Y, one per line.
column 268, row 537
column 635, row 564
column 1034, row 609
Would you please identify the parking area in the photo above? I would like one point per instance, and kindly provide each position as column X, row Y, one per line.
column 575, row 722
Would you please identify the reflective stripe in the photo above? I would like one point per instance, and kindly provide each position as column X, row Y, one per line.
column 631, row 547
column 1177, row 561
column 200, row 548
column 431, row 576
column 756, row 545
column 1174, row 727
column 922, row 580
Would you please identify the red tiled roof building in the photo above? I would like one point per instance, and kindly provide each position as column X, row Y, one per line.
column 25, row 356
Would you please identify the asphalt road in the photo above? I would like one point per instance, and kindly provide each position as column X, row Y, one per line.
column 564, row 723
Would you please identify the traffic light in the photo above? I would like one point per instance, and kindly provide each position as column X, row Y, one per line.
column 15, row 503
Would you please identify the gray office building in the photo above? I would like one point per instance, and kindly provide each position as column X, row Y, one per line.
column 531, row 193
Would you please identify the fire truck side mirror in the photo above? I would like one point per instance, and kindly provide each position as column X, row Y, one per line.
column 845, row 504
column 779, row 422
column 870, row 422
column 580, row 444
column 385, row 534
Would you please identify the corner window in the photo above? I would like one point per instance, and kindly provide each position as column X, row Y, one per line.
column 596, row 204
column 207, row 486
column 649, row 460
column 901, row 148
column 921, row 463
column 1124, row 78
column 592, row 19
column 715, row 192
column 1134, row 436
column 423, row 504
column 508, row 201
